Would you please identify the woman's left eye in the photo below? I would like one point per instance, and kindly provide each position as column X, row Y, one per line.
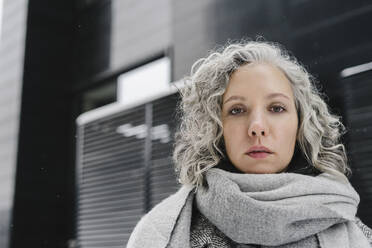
column 277, row 109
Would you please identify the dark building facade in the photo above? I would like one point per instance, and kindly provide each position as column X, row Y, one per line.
column 68, row 55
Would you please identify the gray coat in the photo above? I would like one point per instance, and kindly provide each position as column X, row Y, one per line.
column 155, row 228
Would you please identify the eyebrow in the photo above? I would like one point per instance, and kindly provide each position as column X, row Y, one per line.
column 242, row 98
column 235, row 98
column 273, row 95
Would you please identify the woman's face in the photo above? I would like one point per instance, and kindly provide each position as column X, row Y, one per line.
column 259, row 119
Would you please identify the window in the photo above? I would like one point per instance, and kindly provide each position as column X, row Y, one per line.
column 99, row 96
column 144, row 82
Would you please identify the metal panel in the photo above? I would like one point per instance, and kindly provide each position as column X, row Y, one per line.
column 124, row 170
column 110, row 181
column 12, row 46
column 162, row 178
column 357, row 90
column 301, row 16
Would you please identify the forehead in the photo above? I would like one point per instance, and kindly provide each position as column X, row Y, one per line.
column 258, row 79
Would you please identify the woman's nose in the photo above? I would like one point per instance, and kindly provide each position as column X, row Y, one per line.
column 258, row 127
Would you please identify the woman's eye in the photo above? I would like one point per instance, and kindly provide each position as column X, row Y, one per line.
column 277, row 109
column 236, row 111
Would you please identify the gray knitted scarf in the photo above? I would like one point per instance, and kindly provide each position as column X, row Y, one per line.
column 279, row 210
column 273, row 210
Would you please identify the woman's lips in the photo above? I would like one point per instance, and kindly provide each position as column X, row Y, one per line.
column 258, row 154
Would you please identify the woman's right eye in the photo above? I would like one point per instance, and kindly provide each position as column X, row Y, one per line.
column 236, row 110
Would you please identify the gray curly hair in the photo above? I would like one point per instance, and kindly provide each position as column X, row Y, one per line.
column 199, row 137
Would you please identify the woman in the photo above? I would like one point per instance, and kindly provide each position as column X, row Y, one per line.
column 260, row 159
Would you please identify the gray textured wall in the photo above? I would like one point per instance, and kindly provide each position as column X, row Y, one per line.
column 11, row 71
column 193, row 33
column 140, row 29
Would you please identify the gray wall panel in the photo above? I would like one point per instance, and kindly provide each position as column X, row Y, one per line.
column 140, row 30
column 357, row 98
column 11, row 69
column 193, row 33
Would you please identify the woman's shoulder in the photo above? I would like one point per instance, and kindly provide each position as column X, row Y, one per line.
column 157, row 225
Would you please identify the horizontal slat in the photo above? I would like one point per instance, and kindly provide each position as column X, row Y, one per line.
column 105, row 145
column 122, row 177
column 118, row 176
column 104, row 243
column 122, row 158
column 114, row 192
column 102, row 216
column 104, row 204
column 112, row 167
column 112, row 139
column 130, row 151
column 130, row 217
